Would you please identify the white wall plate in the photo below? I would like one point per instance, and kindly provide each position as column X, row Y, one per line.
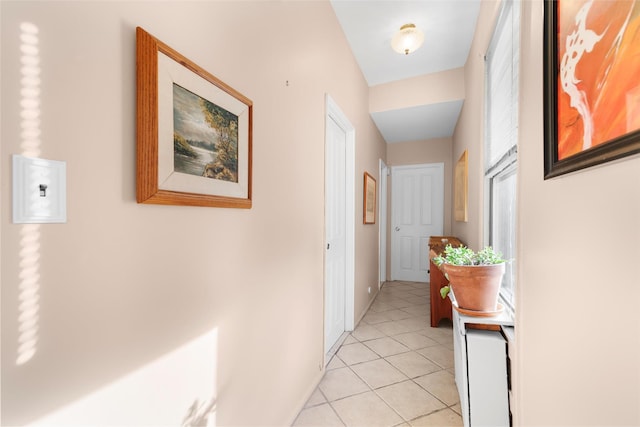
column 39, row 190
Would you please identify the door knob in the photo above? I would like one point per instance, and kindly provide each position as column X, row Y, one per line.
column 397, row 228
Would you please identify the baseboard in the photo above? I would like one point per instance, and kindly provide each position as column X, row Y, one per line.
column 373, row 298
column 328, row 356
column 306, row 396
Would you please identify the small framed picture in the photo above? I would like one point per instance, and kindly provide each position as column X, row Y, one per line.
column 369, row 199
column 460, row 188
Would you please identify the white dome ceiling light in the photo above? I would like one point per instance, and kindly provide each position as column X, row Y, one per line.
column 408, row 39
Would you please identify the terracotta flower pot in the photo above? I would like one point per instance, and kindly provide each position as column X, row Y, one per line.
column 476, row 287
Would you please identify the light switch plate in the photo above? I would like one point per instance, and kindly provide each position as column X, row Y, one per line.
column 39, row 190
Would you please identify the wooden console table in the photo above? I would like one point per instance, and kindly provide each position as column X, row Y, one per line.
column 440, row 308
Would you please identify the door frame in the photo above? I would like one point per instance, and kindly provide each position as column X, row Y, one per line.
column 382, row 226
column 333, row 112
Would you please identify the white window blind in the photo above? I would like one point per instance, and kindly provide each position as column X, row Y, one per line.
column 501, row 137
column 502, row 85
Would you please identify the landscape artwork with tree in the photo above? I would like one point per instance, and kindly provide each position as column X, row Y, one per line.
column 205, row 137
column 194, row 132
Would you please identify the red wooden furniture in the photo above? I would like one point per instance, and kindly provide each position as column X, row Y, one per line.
column 440, row 308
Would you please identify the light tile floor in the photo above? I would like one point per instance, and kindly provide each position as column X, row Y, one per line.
column 393, row 370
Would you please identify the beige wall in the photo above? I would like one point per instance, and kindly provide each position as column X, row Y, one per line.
column 578, row 333
column 432, row 88
column 122, row 284
column 469, row 129
column 579, row 289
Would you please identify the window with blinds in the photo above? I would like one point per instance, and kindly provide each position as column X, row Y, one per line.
column 501, row 148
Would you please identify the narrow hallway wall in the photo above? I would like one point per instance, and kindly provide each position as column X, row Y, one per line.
column 577, row 329
column 123, row 286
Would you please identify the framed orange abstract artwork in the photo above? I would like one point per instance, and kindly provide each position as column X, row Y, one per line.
column 591, row 83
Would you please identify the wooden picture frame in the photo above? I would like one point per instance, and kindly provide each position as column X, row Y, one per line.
column 591, row 92
column 461, row 188
column 182, row 160
column 369, row 207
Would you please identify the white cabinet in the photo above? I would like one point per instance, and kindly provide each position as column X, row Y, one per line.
column 481, row 371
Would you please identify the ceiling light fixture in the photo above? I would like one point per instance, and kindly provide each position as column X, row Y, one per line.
column 407, row 40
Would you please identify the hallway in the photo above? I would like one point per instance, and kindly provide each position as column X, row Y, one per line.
column 393, row 370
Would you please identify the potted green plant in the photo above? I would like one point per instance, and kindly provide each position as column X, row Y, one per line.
column 474, row 277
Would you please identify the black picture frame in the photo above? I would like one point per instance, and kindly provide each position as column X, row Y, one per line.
column 625, row 145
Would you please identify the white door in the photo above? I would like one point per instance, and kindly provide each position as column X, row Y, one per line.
column 339, row 225
column 417, row 212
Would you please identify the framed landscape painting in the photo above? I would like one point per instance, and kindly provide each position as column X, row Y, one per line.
column 194, row 132
column 369, row 199
column 461, row 188
column 591, row 83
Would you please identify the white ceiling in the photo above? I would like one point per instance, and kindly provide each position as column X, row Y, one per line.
column 448, row 27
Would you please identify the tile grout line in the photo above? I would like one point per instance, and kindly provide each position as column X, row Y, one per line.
column 407, row 378
column 412, row 379
column 344, row 424
column 415, row 315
